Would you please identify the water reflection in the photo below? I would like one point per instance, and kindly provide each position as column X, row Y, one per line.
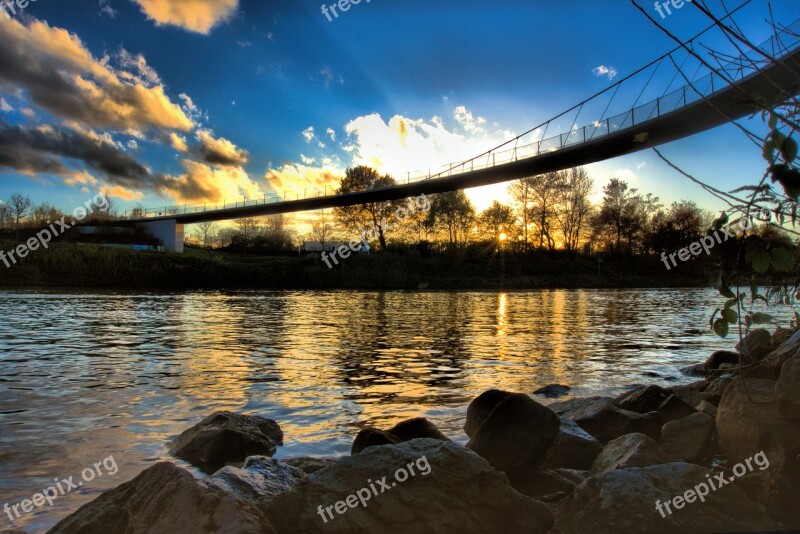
column 88, row 375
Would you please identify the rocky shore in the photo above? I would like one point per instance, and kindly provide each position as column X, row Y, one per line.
column 719, row 455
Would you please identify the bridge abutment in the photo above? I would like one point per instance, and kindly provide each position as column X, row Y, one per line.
column 169, row 232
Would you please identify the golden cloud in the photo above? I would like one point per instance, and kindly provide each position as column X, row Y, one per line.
column 198, row 16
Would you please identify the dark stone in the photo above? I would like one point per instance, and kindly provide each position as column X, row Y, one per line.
column 756, row 345
column 454, row 490
column 643, row 400
column 260, row 479
column 516, row 434
column 690, row 439
column 553, row 391
column 480, row 408
column 698, row 370
column 574, row 448
column 226, row 437
column 419, row 427
column 787, row 389
column 599, row 417
column 372, row 437
column 674, row 408
column 631, row 450
column 166, row 499
column 719, row 357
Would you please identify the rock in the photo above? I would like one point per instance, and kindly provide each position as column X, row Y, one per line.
column 308, row 464
column 480, row 408
column 756, row 345
column 781, row 336
column 674, row 408
column 690, row 439
column 746, row 427
column 165, row 499
column 371, row 437
column 787, row 389
column 717, row 358
column 708, row 409
column 225, row 437
column 573, row 448
column 516, row 434
column 260, row 478
column 419, row 427
column 643, row 400
column 770, row 367
column 605, row 422
column 691, row 394
column 553, row 391
column 632, row 450
column 716, row 389
column 458, row 492
column 694, row 370
column 624, row 500
column 553, row 485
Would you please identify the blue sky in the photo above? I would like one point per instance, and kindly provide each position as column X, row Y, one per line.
column 167, row 101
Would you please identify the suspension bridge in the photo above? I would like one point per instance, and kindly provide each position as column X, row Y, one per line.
column 718, row 91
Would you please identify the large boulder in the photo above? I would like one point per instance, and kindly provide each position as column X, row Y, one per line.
column 770, row 367
column 166, row 499
column 600, row 418
column 553, row 391
column 309, row 464
column 787, row 389
column 642, row 400
column 756, row 345
column 748, row 422
column 516, row 434
column 573, row 448
column 480, row 408
column 714, row 362
column 632, row 450
column 626, row 500
column 690, row 439
column 453, row 490
column 419, row 427
column 372, row 437
column 674, row 408
column 260, row 478
column 226, row 437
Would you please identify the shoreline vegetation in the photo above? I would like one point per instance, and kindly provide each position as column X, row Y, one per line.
column 90, row 266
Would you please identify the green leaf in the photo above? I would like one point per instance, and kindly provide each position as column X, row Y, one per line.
column 759, row 259
column 731, row 302
column 789, row 150
column 761, row 318
column 730, row 316
column 721, row 328
column 781, row 259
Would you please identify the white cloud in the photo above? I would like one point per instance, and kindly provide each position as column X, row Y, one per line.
column 331, row 133
column 602, row 70
column 309, row 135
column 5, row 106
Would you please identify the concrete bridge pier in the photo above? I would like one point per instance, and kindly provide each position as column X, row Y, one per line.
column 168, row 231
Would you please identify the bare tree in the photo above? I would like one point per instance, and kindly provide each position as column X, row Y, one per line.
column 20, row 206
column 521, row 192
column 322, row 227
column 248, row 227
column 204, row 232
column 574, row 207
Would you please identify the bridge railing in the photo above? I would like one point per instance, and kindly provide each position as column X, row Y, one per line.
column 692, row 91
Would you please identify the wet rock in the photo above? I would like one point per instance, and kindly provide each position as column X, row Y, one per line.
column 716, row 389
column 708, row 409
column 756, row 345
column 787, row 389
column 643, row 400
column 458, row 492
column 632, row 450
column 717, row 358
column 480, row 408
column 260, row 478
column 674, row 408
column 573, row 448
column 553, row 391
column 698, row 370
column 690, row 439
column 746, row 427
column 308, row 464
column 419, row 427
column 624, row 500
column 372, row 437
column 226, row 437
column 516, row 434
column 165, row 499
column 691, row 394
column 605, row 422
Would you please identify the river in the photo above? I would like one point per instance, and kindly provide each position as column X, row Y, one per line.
column 88, row 375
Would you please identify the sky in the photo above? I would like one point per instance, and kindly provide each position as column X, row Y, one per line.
column 164, row 102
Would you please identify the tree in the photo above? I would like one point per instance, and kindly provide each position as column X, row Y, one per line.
column 247, row 227
column 5, row 214
column 19, row 207
column 496, row 221
column 626, row 214
column 680, row 227
column 361, row 218
column 454, row 213
column 573, row 206
column 522, row 194
column 322, row 227
column 544, row 195
column 204, row 233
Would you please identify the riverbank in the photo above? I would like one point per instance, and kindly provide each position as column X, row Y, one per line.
column 69, row 265
column 717, row 455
